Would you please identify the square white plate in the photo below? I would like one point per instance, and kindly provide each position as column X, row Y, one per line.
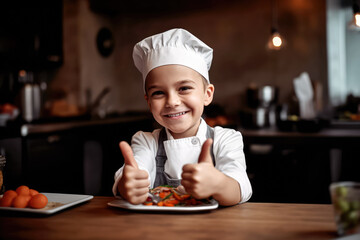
column 56, row 202
column 121, row 203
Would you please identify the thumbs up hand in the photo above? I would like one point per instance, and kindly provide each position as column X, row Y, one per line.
column 128, row 155
column 200, row 180
column 134, row 183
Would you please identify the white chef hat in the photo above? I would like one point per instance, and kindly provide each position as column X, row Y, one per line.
column 175, row 46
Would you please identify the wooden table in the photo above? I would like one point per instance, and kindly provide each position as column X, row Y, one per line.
column 95, row 220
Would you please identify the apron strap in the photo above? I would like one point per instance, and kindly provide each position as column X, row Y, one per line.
column 160, row 158
column 210, row 134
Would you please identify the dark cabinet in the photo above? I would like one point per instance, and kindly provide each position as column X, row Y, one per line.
column 80, row 160
column 299, row 167
column 54, row 162
column 292, row 175
column 10, row 147
column 31, row 35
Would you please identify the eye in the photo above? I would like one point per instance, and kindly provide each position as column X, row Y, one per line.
column 157, row 93
column 185, row 88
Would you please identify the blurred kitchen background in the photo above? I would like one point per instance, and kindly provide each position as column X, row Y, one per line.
column 69, row 91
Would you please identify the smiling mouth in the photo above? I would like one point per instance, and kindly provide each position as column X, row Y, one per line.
column 175, row 115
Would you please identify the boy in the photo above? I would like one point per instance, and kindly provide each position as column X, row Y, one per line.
column 204, row 161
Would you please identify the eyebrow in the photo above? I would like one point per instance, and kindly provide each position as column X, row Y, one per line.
column 153, row 86
column 186, row 81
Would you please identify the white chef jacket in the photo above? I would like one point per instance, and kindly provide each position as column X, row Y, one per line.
column 227, row 149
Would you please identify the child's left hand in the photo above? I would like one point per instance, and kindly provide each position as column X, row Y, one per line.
column 201, row 179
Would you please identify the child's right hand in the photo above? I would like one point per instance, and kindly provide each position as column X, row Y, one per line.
column 134, row 183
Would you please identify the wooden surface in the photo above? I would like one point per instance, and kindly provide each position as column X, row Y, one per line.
column 95, row 220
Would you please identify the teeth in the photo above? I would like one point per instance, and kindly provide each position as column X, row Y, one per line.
column 176, row 115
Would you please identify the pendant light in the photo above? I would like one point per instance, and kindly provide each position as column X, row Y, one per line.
column 356, row 11
column 276, row 41
column 354, row 24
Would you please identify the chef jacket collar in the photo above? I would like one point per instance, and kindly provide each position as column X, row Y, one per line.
column 201, row 133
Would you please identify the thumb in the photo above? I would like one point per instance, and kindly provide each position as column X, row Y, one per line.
column 127, row 154
column 205, row 156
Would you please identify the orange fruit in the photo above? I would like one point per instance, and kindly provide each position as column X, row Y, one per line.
column 38, row 201
column 28, row 198
column 21, row 201
column 10, row 193
column 6, row 201
column 33, row 192
column 23, row 190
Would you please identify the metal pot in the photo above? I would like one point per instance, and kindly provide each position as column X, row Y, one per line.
column 268, row 95
column 262, row 97
column 31, row 102
column 261, row 111
column 30, row 97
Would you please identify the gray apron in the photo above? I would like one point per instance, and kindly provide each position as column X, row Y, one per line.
column 161, row 177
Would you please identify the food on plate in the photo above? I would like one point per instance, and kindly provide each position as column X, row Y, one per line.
column 38, row 201
column 172, row 197
column 23, row 197
column 23, row 190
column 6, row 201
column 21, row 201
column 33, row 192
column 10, row 193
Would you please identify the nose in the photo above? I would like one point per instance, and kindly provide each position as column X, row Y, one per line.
column 173, row 100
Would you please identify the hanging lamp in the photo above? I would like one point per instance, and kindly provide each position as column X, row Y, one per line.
column 354, row 24
column 356, row 11
column 276, row 41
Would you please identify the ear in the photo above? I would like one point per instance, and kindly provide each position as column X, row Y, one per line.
column 209, row 94
column 147, row 101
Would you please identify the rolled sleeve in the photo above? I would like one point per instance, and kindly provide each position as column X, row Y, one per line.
column 230, row 158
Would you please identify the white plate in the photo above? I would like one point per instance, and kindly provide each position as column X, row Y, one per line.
column 120, row 203
column 56, row 202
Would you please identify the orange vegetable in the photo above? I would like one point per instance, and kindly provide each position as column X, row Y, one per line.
column 160, row 203
column 148, row 203
column 168, row 205
column 177, row 196
column 181, row 197
column 163, row 194
column 173, row 201
column 38, row 201
column 186, row 196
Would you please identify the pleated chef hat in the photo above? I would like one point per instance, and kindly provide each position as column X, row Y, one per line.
column 175, row 46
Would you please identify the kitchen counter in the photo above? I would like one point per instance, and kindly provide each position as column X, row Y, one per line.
column 27, row 129
column 96, row 220
column 20, row 128
column 331, row 137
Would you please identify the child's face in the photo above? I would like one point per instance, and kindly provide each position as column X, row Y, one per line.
column 176, row 96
